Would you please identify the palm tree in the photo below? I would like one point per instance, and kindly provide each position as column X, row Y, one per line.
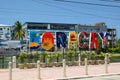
column 19, row 33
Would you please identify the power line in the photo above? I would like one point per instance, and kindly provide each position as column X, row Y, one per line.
column 87, row 3
column 88, row 8
column 8, row 10
column 118, row 1
column 31, row 13
column 26, row 10
column 91, row 9
column 78, row 12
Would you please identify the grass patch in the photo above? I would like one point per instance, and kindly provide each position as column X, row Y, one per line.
column 115, row 58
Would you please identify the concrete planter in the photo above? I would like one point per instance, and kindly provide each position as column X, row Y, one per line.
column 76, row 63
column 102, row 62
column 21, row 66
column 35, row 65
column 29, row 65
column 50, row 64
column 82, row 63
column 97, row 62
column 91, row 62
column 43, row 65
column 57, row 64
column 70, row 63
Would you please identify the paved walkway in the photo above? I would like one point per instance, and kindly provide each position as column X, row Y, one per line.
column 57, row 72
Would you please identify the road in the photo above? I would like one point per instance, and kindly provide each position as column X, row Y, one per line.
column 110, row 77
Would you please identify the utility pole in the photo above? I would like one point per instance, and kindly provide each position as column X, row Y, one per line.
column 112, row 36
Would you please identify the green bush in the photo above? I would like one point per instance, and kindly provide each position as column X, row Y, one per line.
column 93, row 55
column 43, row 56
column 70, row 54
column 113, row 50
column 22, row 57
column 35, row 56
column 101, row 56
column 58, row 55
column 50, row 57
column 29, row 57
column 83, row 56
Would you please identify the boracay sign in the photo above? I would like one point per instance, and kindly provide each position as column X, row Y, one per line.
column 83, row 40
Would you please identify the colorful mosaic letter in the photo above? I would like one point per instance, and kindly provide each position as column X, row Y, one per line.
column 47, row 40
column 72, row 40
column 104, row 38
column 93, row 43
column 34, row 41
column 83, row 41
column 61, row 39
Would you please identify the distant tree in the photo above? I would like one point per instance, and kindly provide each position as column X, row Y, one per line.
column 19, row 33
column 118, row 43
column 115, row 49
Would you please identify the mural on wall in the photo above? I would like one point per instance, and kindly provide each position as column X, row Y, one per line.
column 93, row 41
column 34, row 41
column 83, row 40
column 61, row 39
column 72, row 40
column 104, row 38
column 47, row 40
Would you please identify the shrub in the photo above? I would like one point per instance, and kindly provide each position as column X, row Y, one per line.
column 43, row 56
column 70, row 54
column 83, row 56
column 57, row 55
column 101, row 56
column 50, row 57
column 35, row 56
column 113, row 50
column 93, row 55
column 22, row 57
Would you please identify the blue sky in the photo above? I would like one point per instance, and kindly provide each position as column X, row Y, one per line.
column 60, row 12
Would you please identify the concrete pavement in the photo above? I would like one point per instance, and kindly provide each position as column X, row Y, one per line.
column 55, row 73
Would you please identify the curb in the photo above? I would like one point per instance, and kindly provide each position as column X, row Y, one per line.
column 89, row 76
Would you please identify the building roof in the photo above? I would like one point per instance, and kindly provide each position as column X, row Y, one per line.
column 4, row 25
column 85, row 25
column 47, row 23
